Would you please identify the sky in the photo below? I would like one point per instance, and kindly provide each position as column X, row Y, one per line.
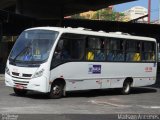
column 144, row 3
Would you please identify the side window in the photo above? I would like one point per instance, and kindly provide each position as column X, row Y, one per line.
column 148, row 51
column 69, row 48
column 77, row 49
column 62, row 51
column 133, row 50
column 95, row 49
column 114, row 49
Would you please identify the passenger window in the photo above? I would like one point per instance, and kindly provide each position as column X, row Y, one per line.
column 62, row 50
column 148, row 51
column 115, row 49
column 133, row 50
column 95, row 49
column 70, row 47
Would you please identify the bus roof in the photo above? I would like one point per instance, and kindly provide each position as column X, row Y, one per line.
column 94, row 33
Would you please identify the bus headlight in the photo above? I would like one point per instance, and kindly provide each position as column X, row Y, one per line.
column 7, row 70
column 38, row 74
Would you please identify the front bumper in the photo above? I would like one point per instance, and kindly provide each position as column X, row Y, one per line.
column 36, row 84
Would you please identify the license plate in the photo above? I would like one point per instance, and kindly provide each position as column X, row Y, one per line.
column 19, row 86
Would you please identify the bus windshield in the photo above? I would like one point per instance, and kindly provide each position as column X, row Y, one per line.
column 33, row 46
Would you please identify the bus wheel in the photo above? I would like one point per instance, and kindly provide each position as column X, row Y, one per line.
column 20, row 92
column 56, row 90
column 126, row 88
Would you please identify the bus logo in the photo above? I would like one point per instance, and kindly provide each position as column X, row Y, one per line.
column 94, row 69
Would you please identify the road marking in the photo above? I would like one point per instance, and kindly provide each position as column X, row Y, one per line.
column 108, row 103
column 149, row 107
column 98, row 102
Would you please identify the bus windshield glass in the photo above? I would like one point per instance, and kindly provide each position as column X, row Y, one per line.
column 33, row 46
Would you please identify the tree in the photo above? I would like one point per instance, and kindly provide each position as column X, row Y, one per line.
column 77, row 16
column 108, row 14
column 104, row 14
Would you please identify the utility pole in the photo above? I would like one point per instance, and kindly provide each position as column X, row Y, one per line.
column 159, row 13
column 149, row 11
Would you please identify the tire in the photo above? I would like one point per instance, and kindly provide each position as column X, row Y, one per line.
column 56, row 90
column 20, row 92
column 126, row 88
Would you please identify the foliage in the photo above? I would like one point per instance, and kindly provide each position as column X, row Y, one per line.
column 77, row 16
column 103, row 14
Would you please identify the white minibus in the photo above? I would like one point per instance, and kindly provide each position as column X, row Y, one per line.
column 54, row 60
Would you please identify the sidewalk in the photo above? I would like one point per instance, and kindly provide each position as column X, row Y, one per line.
column 1, row 77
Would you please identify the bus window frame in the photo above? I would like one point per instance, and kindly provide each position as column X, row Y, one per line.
column 62, row 61
column 154, row 51
column 93, row 49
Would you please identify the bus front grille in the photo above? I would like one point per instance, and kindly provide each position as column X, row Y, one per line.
column 21, row 76
column 15, row 73
column 27, row 75
column 23, row 83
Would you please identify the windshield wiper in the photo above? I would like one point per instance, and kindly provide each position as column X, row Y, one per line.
column 25, row 49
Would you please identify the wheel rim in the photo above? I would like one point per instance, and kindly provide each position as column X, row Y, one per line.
column 126, row 88
column 56, row 90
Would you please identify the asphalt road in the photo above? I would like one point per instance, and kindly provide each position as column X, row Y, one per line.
column 81, row 104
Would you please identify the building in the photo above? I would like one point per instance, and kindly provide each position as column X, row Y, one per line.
column 136, row 12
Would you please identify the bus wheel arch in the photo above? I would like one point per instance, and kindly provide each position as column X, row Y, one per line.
column 57, row 88
column 127, row 84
